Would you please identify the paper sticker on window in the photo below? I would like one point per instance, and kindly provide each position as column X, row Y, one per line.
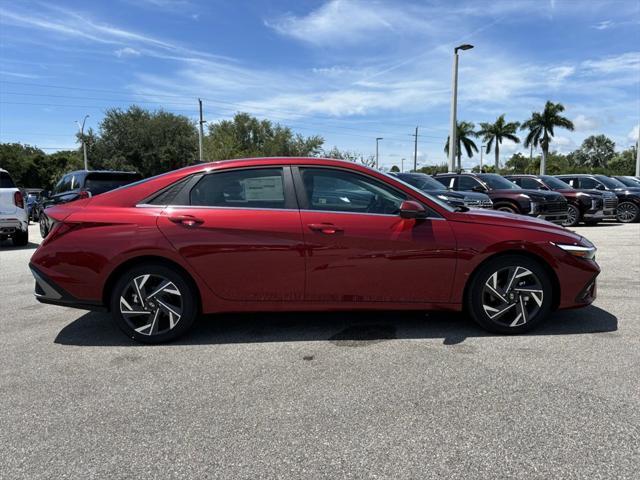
column 263, row 189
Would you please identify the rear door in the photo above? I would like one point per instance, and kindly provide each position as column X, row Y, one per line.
column 240, row 230
column 361, row 250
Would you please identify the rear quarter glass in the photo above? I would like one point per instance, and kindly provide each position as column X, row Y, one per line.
column 6, row 181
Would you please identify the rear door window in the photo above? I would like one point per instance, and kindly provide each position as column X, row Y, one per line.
column 250, row 188
column 530, row 183
column 6, row 181
column 588, row 183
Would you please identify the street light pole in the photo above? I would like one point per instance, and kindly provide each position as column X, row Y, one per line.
column 377, row 140
column 84, row 145
column 454, row 105
column 481, row 152
column 638, row 154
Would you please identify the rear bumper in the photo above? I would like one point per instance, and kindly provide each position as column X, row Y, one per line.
column 9, row 226
column 47, row 291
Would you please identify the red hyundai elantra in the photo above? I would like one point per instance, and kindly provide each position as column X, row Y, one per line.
column 276, row 234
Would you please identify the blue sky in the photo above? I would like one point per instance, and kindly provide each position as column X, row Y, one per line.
column 349, row 70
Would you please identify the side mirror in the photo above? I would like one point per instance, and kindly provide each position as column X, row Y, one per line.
column 600, row 187
column 478, row 188
column 412, row 209
column 543, row 187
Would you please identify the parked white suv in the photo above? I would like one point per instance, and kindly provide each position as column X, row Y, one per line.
column 14, row 221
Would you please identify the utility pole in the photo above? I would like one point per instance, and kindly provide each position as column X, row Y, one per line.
column 377, row 140
column 638, row 154
column 201, row 123
column 454, row 105
column 402, row 165
column 481, row 152
column 84, row 145
column 415, row 150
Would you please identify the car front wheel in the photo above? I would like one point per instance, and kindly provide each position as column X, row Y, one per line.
column 44, row 229
column 573, row 216
column 628, row 212
column 510, row 294
column 153, row 304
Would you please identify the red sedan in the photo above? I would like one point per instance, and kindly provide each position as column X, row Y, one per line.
column 301, row 234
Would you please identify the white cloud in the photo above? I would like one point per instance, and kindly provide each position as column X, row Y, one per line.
column 626, row 62
column 127, row 52
column 604, row 25
column 583, row 122
column 348, row 21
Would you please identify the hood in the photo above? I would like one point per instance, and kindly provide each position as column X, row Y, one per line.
column 547, row 195
column 498, row 218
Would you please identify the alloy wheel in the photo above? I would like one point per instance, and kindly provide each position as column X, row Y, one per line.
column 627, row 212
column 573, row 216
column 151, row 304
column 512, row 296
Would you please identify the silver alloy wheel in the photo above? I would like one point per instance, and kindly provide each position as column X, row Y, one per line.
column 627, row 212
column 573, row 215
column 151, row 304
column 512, row 296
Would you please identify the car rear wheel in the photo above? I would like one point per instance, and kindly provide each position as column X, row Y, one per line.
column 573, row 216
column 510, row 294
column 20, row 239
column 153, row 304
column 628, row 212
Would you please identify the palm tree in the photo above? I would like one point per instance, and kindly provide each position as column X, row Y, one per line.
column 541, row 126
column 497, row 132
column 464, row 130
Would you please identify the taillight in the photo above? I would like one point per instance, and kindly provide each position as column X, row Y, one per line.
column 84, row 194
column 18, row 199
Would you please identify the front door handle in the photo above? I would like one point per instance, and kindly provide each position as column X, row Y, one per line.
column 326, row 228
column 186, row 220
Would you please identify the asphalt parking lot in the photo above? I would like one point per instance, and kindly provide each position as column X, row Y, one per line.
column 391, row 395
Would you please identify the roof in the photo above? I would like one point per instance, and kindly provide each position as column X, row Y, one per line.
column 101, row 171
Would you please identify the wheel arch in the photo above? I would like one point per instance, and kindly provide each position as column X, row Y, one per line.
column 555, row 282
column 141, row 260
column 507, row 202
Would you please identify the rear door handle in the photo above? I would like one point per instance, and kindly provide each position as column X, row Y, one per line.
column 187, row 220
column 326, row 228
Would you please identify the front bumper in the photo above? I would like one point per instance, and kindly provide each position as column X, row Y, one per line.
column 47, row 291
column 607, row 214
column 557, row 218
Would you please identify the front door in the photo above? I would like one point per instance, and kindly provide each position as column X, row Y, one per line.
column 241, row 232
column 360, row 250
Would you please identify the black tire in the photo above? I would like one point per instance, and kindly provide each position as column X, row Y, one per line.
column 20, row 239
column 627, row 212
column 44, row 228
column 573, row 216
column 506, row 207
column 537, row 307
column 188, row 311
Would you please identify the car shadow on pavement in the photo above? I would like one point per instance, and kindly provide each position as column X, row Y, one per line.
column 340, row 328
column 7, row 245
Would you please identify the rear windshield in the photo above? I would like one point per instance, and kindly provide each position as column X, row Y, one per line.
column 101, row 183
column 5, row 181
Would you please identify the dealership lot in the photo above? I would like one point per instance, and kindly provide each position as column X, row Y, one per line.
column 394, row 395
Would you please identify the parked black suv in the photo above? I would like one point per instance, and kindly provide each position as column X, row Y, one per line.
column 628, row 198
column 509, row 197
column 82, row 184
column 427, row 184
column 588, row 206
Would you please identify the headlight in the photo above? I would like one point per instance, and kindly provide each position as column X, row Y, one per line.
column 577, row 250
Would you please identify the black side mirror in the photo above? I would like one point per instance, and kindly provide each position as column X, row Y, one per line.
column 412, row 209
column 599, row 186
column 478, row 188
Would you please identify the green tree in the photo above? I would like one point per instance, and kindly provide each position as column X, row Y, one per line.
column 150, row 142
column 596, row 151
column 341, row 154
column 518, row 163
column 395, row 168
column 246, row 136
column 464, row 132
column 496, row 132
column 623, row 163
column 541, row 128
column 433, row 169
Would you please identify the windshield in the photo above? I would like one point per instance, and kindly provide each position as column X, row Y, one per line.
column 555, row 183
column 433, row 198
column 629, row 181
column 610, row 182
column 496, row 182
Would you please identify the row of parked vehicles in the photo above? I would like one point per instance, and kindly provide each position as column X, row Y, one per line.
column 563, row 199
